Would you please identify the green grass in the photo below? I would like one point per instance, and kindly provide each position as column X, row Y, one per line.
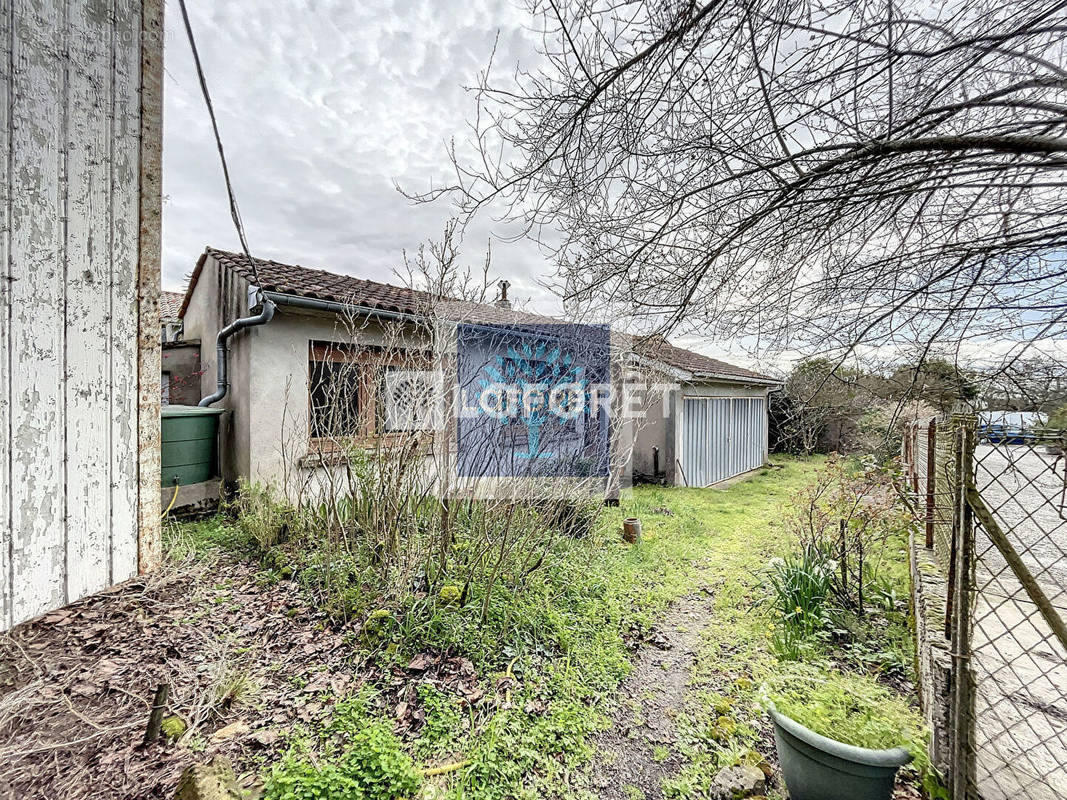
column 563, row 635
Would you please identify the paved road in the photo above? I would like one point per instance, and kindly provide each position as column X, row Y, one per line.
column 1021, row 669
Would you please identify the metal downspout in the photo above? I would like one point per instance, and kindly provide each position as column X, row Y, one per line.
column 222, row 382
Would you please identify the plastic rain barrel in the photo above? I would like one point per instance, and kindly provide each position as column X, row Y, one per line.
column 188, row 436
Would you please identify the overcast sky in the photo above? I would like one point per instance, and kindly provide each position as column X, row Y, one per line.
column 323, row 107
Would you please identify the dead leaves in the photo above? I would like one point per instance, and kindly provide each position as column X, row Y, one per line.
column 76, row 681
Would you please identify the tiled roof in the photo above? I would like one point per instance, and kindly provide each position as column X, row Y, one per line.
column 659, row 349
column 322, row 285
column 307, row 282
column 170, row 305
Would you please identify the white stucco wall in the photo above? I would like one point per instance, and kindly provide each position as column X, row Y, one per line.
column 264, row 435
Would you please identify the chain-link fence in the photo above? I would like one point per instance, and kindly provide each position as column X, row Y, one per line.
column 995, row 524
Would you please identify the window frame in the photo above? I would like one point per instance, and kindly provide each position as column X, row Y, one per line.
column 373, row 364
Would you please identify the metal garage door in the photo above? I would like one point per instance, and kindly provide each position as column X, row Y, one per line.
column 722, row 437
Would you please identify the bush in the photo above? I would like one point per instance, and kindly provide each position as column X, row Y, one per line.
column 839, row 592
column 845, row 518
column 1057, row 420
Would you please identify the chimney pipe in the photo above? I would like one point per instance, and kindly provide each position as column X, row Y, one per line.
column 502, row 301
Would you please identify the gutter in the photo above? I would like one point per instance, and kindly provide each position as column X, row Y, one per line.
column 727, row 377
column 299, row 301
column 269, row 302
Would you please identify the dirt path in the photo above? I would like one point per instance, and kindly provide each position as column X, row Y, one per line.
column 640, row 750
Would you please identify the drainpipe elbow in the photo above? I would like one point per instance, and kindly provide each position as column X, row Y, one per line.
column 222, row 382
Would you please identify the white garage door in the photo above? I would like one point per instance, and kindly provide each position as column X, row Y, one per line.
column 722, row 437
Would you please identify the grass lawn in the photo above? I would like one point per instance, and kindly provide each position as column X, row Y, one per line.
column 549, row 658
column 319, row 681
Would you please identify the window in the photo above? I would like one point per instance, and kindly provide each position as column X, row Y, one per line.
column 334, row 392
column 361, row 391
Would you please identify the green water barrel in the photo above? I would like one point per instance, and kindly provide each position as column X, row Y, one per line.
column 188, row 436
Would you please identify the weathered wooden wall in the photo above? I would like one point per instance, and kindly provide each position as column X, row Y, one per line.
column 71, row 297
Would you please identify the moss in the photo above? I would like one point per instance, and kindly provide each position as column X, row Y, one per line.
column 450, row 594
column 378, row 626
column 722, row 730
column 172, row 728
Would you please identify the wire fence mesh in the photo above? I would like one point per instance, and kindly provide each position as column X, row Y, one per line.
column 996, row 522
column 1020, row 598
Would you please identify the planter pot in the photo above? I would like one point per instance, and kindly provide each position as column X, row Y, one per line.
column 817, row 768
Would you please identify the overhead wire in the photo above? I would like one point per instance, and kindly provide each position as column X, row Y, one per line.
column 234, row 211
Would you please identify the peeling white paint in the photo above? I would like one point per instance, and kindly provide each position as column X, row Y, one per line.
column 70, row 135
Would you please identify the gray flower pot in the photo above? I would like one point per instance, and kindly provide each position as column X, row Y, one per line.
column 817, row 768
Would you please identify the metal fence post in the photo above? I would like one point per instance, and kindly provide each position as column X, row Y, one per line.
column 931, row 469
column 963, row 690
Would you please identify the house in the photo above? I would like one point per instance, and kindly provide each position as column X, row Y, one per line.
column 81, row 136
column 180, row 361
column 703, row 420
column 170, row 321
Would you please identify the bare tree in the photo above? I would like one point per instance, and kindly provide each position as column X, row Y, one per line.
column 814, row 174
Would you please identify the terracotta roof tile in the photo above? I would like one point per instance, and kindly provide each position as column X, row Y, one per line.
column 659, row 349
column 307, row 282
column 170, row 304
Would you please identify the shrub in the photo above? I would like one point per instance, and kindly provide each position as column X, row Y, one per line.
column 846, row 517
column 1057, row 420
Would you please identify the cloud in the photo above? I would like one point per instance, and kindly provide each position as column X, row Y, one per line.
column 323, row 107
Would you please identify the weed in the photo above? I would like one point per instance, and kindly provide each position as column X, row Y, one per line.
column 562, row 625
column 262, row 519
column 232, row 685
column 443, row 722
column 801, row 584
column 849, row 708
column 363, row 760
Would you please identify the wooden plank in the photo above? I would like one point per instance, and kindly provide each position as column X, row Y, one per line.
column 124, row 307
column 36, row 342
column 7, row 27
column 150, row 196
column 87, row 380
